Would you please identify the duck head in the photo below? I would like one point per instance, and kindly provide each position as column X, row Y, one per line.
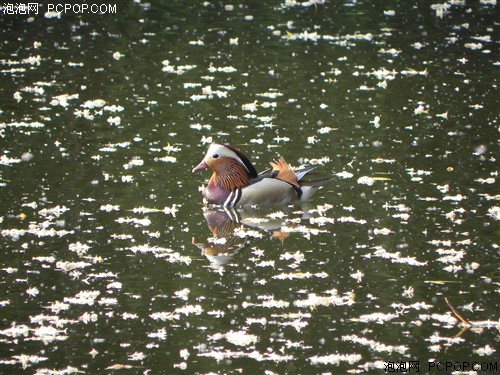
column 219, row 154
column 231, row 169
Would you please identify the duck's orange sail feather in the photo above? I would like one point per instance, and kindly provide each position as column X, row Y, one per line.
column 284, row 172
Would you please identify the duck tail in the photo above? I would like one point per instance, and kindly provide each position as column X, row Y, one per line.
column 310, row 187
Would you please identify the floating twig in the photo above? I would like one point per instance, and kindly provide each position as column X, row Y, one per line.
column 457, row 314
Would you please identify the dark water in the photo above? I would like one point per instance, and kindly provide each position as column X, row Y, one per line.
column 107, row 260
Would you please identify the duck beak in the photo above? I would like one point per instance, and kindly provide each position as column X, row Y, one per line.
column 200, row 167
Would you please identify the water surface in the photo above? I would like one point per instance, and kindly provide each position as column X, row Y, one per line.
column 111, row 262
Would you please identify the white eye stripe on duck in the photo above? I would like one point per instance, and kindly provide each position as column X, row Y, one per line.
column 216, row 150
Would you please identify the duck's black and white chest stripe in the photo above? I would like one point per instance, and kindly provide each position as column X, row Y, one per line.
column 233, row 198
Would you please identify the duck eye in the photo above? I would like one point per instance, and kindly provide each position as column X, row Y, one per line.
column 215, row 156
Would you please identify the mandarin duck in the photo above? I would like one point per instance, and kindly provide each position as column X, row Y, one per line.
column 235, row 182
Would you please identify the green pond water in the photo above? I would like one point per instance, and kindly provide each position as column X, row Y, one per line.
column 110, row 262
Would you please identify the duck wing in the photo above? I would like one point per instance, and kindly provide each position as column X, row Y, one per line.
column 268, row 190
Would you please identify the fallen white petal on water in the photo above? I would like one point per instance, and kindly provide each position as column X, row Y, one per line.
column 379, row 318
column 319, row 161
column 27, row 360
column 219, row 355
column 114, row 120
column 436, row 338
column 168, row 68
column 113, row 108
column 136, row 356
column 321, row 221
column 489, row 180
column 79, row 248
column 413, row 72
column 300, row 275
column 447, row 318
column 107, row 301
column 166, row 159
column 325, row 130
column 298, row 324
column 414, row 306
column 57, row 307
column 473, row 46
column 358, row 276
column 109, row 207
column 365, row 180
column 239, row 338
column 22, row 124
column 314, row 300
column 297, row 256
column 375, row 345
column 88, row 318
column 383, row 231
column 54, row 211
column 450, row 255
column 261, row 321
column 395, row 257
column 129, row 316
column 344, row 174
column 36, row 90
column 92, row 104
column 164, row 316
column 70, row 266
column 184, row 354
column 5, row 160
column 275, row 304
column 144, row 210
column 242, row 233
column 252, row 107
column 102, row 275
column 189, row 309
column 200, row 126
column 16, row 331
column 350, row 219
column 381, row 160
column 455, row 198
column 85, row 297
column 452, row 268
column 335, row 359
column 32, row 292
column 223, row 69
column 160, row 334
column 280, row 139
column 440, row 9
column 135, row 221
column 270, row 95
column 408, row 292
column 485, row 351
column 127, row 178
column 269, row 263
column 420, row 110
column 494, row 212
column 48, row 334
column 62, row 100
column 182, row 294
column 216, row 313
column 277, row 215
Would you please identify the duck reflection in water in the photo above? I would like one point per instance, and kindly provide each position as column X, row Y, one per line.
column 231, row 229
